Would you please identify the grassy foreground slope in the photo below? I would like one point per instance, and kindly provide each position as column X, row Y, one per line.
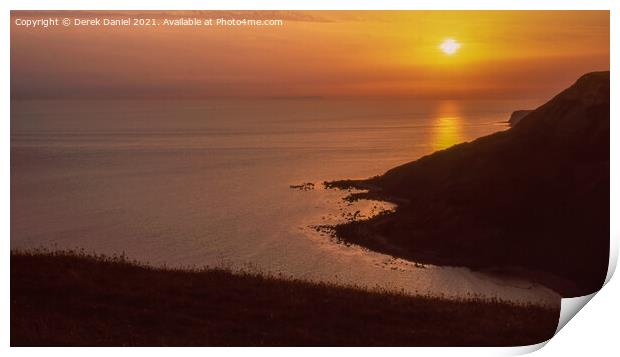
column 62, row 299
column 535, row 196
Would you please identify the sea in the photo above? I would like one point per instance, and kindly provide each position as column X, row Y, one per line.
column 237, row 183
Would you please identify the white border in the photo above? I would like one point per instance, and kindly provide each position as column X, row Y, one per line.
column 595, row 330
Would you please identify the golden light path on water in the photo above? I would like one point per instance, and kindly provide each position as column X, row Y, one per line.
column 448, row 128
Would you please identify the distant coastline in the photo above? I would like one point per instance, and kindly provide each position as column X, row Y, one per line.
column 517, row 115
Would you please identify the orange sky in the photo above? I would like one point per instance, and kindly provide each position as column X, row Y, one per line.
column 504, row 54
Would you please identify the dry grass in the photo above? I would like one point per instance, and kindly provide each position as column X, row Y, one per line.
column 74, row 299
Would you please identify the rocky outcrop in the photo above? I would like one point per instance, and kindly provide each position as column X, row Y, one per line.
column 517, row 115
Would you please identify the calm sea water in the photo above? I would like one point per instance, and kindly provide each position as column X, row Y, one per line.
column 207, row 182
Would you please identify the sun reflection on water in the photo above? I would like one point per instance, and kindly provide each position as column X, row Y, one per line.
column 447, row 129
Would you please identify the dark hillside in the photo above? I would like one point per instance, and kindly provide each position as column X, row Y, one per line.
column 535, row 196
column 63, row 299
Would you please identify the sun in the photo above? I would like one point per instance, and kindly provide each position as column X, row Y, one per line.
column 449, row 46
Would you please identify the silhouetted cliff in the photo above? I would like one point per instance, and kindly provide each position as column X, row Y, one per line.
column 535, row 196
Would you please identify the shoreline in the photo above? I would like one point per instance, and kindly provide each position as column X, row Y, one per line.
column 367, row 239
column 482, row 282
